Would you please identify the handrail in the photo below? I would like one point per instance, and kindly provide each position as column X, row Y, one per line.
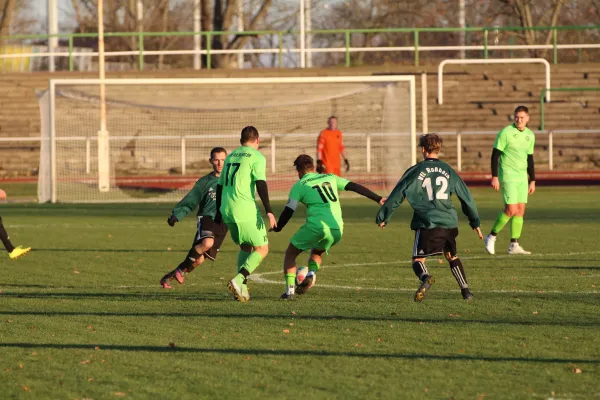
column 490, row 61
column 561, row 89
column 347, row 49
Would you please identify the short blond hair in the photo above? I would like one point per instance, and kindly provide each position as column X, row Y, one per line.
column 431, row 142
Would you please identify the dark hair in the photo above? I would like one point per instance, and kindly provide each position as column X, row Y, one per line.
column 249, row 134
column 217, row 150
column 332, row 117
column 304, row 162
column 431, row 142
column 522, row 108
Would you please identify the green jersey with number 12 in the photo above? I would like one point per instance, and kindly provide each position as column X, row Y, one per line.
column 319, row 193
column 428, row 186
column 242, row 168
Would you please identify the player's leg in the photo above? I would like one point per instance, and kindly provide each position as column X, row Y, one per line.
column 427, row 242
column 456, row 266
column 329, row 238
column 289, row 271
column 516, row 224
column 252, row 236
column 510, row 194
column 13, row 252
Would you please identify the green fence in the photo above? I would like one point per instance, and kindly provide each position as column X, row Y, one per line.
column 561, row 89
column 415, row 33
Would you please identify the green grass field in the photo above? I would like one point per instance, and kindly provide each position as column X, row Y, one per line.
column 83, row 316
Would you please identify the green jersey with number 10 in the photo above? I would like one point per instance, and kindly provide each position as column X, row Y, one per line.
column 319, row 193
column 243, row 167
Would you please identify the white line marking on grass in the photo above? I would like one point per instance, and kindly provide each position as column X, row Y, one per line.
column 259, row 278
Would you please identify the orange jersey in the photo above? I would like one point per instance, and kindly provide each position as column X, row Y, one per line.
column 329, row 149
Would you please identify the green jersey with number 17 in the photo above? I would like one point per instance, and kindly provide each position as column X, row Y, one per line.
column 243, row 167
column 319, row 193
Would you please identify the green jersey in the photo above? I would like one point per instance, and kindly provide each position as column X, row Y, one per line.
column 515, row 146
column 243, row 167
column 319, row 193
column 203, row 195
column 428, row 186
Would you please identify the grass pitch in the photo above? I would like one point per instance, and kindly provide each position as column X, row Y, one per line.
column 83, row 316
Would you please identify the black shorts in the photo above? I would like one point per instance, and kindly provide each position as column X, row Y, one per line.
column 429, row 242
column 207, row 228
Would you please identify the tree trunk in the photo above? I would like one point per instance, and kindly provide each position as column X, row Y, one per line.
column 165, row 27
column 6, row 19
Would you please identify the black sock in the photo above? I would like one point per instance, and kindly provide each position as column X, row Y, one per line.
column 420, row 270
column 459, row 273
column 514, row 240
column 187, row 265
column 493, row 233
column 4, row 238
column 245, row 273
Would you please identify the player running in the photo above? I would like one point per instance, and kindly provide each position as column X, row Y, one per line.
column 428, row 187
column 324, row 225
column 512, row 162
column 210, row 235
column 13, row 252
column 243, row 174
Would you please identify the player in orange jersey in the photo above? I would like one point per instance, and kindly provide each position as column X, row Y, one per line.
column 329, row 148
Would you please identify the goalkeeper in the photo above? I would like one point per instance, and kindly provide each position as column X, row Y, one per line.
column 324, row 224
column 210, row 235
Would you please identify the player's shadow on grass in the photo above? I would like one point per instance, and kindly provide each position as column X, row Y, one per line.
column 286, row 317
column 141, row 251
column 297, row 353
column 575, row 268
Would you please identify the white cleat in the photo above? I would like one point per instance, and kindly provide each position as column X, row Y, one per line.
column 515, row 248
column 490, row 244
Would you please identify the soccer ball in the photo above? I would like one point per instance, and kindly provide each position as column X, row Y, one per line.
column 301, row 273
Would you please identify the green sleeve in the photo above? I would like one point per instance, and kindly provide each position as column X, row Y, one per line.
column 466, row 202
column 396, row 197
column 341, row 183
column 500, row 142
column 189, row 202
column 259, row 169
column 531, row 144
column 296, row 192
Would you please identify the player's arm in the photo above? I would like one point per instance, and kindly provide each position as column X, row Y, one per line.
column 343, row 153
column 259, row 175
column 320, row 147
column 531, row 168
column 499, row 146
column 363, row 191
column 469, row 208
column 395, row 198
column 218, row 217
column 286, row 214
column 186, row 205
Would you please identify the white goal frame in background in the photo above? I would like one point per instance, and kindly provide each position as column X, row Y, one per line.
column 53, row 83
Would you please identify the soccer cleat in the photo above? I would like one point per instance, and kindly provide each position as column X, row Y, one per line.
column 307, row 283
column 490, row 244
column 18, row 252
column 245, row 292
column 466, row 294
column 235, row 290
column 164, row 282
column 179, row 276
column 286, row 296
column 422, row 290
column 515, row 248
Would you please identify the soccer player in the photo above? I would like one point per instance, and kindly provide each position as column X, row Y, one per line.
column 324, row 225
column 210, row 235
column 243, row 174
column 428, row 186
column 13, row 252
column 330, row 146
column 512, row 162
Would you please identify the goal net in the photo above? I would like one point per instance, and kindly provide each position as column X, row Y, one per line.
column 161, row 131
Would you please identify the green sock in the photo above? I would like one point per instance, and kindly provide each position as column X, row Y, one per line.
column 242, row 257
column 313, row 266
column 290, row 279
column 500, row 222
column 252, row 262
column 516, row 227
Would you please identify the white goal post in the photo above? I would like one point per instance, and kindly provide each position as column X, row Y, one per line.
column 161, row 131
